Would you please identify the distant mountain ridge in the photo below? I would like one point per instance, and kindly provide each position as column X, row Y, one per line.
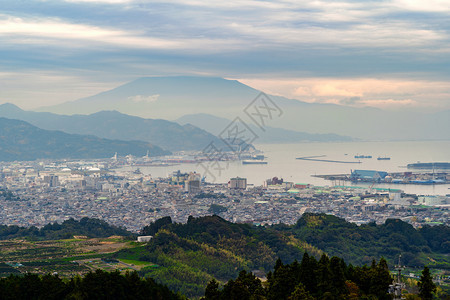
column 22, row 141
column 270, row 135
column 172, row 97
column 162, row 97
column 115, row 125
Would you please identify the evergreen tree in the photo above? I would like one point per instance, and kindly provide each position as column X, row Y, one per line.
column 53, row 287
column 426, row 285
column 324, row 275
column 337, row 276
column 153, row 228
column 307, row 273
column 300, row 293
column 282, row 282
column 381, row 279
column 212, row 290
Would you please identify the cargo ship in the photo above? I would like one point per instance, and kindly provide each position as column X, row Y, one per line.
column 383, row 158
column 429, row 166
column 363, row 156
column 254, row 162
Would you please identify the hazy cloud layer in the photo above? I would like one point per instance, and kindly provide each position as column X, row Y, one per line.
column 378, row 53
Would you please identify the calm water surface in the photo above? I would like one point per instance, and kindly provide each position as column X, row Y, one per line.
column 282, row 163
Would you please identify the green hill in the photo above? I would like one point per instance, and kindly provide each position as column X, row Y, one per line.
column 186, row 257
column 22, row 141
column 190, row 255
column 360, row 244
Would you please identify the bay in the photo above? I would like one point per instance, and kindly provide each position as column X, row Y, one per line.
column 282, row 163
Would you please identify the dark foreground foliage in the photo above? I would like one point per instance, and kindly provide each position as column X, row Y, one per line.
column 98, row 285
column 310, row 279
column 90, row 227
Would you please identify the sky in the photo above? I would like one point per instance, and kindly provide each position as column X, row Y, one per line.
column 389, row 54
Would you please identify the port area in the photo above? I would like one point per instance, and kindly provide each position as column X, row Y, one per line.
column 371, row 176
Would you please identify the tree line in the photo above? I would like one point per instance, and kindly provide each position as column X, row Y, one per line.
column 90, row 227
column 96, row 285
column 326, row 278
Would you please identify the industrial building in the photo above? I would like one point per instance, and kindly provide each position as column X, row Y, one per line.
column 368, row 175
column 238, row 183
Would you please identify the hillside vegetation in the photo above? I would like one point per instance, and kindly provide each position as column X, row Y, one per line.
column 89, row 227
column 94, row 285
column 186, row 257
column 310, row 279
column 190, row 255
column 429, row 245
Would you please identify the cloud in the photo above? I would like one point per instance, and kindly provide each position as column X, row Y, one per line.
column 343, row 51
column 350, row 101
column 388, row 93
column 102, row 1
column 390, row 103
column 57, row 32
column 441, row 6
column 141, row 98
column 40, row 30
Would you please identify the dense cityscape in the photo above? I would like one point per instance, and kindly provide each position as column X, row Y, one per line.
column 42, row 192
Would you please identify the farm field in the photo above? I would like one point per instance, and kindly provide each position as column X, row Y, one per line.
column 67, row 257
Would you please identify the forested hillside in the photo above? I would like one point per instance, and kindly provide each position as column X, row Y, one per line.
column 95, row 285
column 191, row 254
column 185, row 257
column 429, row 245
column 310, row 279
column 89, row 227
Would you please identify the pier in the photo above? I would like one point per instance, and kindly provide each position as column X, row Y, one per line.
column 316, row 158
column 419, row 178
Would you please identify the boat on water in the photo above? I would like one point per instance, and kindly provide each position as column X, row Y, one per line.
column 254, row 162
column 383, row 158
column 363, row 156
column 429, row 166
column 258, row 156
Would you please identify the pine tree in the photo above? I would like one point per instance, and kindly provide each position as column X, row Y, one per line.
column 300, row 293
column 381, row 279
column 307, row 273
column 324, row 275
column 337, row 276
column 212, row 290
column 426, row 285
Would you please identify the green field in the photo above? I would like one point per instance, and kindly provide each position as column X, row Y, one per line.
column 66, row 257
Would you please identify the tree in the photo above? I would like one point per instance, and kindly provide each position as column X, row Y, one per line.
column 337, row 276
column 153, row 228
column 381, row 279
column 212, row 290
column 323, row 272
column 307, row 273
column 300, row 293
column 426, row 285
